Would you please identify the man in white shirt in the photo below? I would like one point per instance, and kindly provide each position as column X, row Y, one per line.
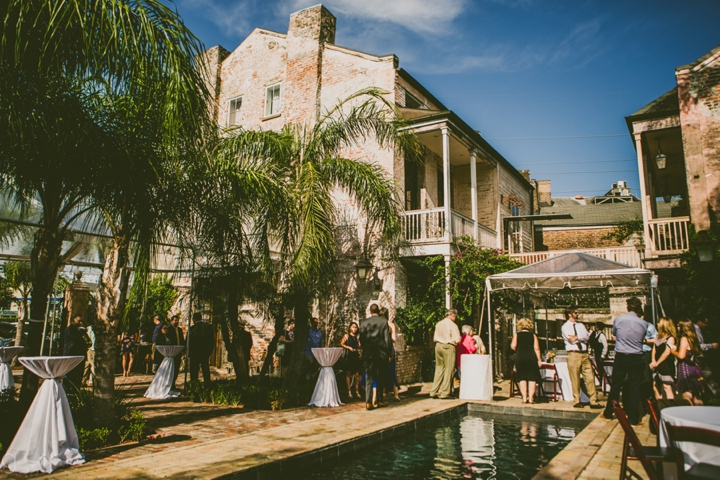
column 576, row 339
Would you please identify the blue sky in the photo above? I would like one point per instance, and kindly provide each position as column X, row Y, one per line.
column 515, row 69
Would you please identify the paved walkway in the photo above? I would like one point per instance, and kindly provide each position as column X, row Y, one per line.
column 206, row 441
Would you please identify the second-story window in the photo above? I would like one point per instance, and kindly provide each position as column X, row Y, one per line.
column 272, row 100
column 234, row 112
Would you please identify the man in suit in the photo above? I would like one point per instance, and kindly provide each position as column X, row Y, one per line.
column 177, row 338
column 75, row 345
column 202, row 344
column 377, row 351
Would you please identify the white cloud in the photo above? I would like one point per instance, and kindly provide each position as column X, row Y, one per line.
column 421, row 16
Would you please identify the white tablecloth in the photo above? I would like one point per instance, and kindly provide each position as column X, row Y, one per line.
column 47, row 438
column 326, row 391
column 6, row 376
column 476, row 381
column 565, row 384
column 704, row 417
column 160, row 387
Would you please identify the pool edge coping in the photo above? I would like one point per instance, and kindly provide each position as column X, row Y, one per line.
column 280, row 468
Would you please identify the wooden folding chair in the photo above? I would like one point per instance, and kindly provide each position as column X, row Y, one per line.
column 600, row 376
column 555, row 381
column 694, row 435
column 634, row 450
column 654, row 417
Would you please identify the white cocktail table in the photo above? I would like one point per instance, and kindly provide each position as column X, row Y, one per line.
column 705, row 417
column 6, row 376
column 326, row 391
column 476, row 381
column 47, row 439
column 162, row 383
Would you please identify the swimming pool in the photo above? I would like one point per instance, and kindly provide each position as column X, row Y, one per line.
column 473, row 445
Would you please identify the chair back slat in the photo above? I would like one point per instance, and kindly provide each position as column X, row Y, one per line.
column 693, row 434
column 632, row 437
column 654, row 418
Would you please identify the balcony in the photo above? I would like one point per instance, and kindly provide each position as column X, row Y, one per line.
column 430, row 226
column 668, row 236
column 625, row 255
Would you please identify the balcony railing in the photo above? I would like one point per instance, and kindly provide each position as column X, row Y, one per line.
column 668, row 235
column 626, row 255
column 428, row 226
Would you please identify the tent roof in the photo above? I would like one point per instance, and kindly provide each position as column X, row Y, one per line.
column 571, row 270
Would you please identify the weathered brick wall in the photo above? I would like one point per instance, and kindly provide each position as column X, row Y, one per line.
column 411, row 360
column 699, row 95
column 509, row 184
column 572, row 239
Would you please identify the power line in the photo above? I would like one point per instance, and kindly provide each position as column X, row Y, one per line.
column 560, row 138
column 578, row 163
column 565, row 94
column 577, row 173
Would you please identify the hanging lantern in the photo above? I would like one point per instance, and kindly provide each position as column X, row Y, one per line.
column 363, row 267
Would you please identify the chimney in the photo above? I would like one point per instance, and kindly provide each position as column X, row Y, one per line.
column 314, row 23
column 544, row 193
column 309, row 31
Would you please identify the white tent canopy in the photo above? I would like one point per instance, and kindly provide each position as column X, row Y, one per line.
column 573, row 270
column 570, row 270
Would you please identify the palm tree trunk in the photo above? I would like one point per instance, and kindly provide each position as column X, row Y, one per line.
column 44, row 265
column 302, row 320
column 272, row 347
column 112, row 295
column 234, row 346
column 21, row 321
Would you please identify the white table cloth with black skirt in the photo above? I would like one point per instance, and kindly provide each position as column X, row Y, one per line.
column 6, row 356
column 326, row 391
column 160, row 388
column 47, row 439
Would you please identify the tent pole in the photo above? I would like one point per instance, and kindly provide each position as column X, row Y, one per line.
column 491, row 346
column 652, row 302
column 547, row 324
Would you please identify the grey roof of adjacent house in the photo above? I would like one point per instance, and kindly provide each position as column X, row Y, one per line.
column 585, row 213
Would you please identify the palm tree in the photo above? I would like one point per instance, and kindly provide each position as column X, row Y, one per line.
column 122, row 105
column 313, row 163
column 318, row 167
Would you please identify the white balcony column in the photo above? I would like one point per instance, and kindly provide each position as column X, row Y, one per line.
column 446, row 181
column 644, row 199
column 448, row 297
column 473, row 193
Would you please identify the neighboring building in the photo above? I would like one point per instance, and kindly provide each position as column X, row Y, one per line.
column 590, row 222
column 464, row 187
column 677, row 140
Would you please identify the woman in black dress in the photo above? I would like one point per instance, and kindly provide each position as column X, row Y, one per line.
column 527, row 359
column 353, row 365
column 663, row 363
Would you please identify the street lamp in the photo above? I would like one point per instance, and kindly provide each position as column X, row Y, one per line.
column 363, row 267
column 660, row 159
column 705, row 246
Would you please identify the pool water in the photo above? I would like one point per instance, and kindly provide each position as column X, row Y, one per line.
column 475, row 445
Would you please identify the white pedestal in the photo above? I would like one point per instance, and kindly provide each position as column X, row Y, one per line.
column 476, row 380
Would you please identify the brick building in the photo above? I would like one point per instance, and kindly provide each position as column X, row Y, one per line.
column 464, row 186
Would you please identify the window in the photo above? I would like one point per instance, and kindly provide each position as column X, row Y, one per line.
column 234, row 111
column 412, row 102
column 272, row 101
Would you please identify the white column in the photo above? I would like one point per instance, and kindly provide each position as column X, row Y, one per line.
column 473, row 192
column 448, row 297
column 446, row 181
column 644, row 200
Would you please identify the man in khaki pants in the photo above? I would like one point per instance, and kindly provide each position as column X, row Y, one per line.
column 576, row 339
column 447, row 335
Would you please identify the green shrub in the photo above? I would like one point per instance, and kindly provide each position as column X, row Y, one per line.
column 129, row 424
column 134, row 430
column 259, row 394
column 93, row 438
